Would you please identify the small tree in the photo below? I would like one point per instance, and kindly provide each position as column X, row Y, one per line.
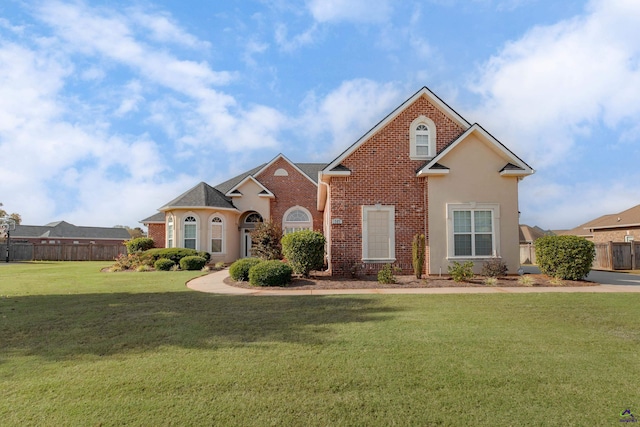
column 266, row 241
column 565, row 257
column 304, row 251
column 419, row 249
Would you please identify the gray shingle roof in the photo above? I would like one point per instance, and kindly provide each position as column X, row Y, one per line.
column 64, row 230
column 202, row 195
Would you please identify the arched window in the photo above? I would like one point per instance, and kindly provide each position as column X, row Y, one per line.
column 422, row 138
column 170, row 231
column 253, row 218
column 217, row 235
column 190, row 232
column 295, row 219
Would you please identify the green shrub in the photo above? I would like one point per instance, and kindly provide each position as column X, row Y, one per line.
column 419, row 246
column 495, row 267
column 270, row 273
column 163, row 264
column 192, row 262
column 239, row 270
column 461, row 272
column 565, row 257
column 385, row 275
column 139, row 244
column 174, row 254
column 304, row 251
column 266, row 241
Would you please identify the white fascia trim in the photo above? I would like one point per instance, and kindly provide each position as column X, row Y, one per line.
column 248, row 178
column 283, row 157
column 433, row 98
column 526, row 169
column 613, row 226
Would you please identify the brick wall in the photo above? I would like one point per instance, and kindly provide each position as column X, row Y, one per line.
column 157, row 233
column 604, row 236
column 382, row 173
column 292, row 190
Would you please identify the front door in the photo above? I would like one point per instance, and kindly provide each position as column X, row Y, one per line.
column 246, row 243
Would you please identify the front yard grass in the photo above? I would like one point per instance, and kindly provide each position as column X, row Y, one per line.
column 80, row 347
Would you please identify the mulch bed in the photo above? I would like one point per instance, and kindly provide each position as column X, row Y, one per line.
column 323, row 281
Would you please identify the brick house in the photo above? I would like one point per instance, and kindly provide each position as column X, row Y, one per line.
column 619, row 227
column 422, row 170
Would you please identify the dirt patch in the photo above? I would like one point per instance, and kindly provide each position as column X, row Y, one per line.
column 323, row 281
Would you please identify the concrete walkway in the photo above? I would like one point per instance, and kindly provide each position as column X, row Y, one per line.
column 214, row 283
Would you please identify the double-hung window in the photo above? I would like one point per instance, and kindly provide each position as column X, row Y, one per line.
column 217, row 233
column 473, row 230
column 190, row 232
column 170, row 232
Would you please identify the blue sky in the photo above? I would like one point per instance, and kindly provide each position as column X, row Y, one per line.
column 109, row 109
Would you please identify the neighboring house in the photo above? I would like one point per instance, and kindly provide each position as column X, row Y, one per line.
column 528, row 235
column 620, row 227
column 62, row 232
column 422, row 170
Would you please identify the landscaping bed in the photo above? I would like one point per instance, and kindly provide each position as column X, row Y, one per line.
column 321, row 280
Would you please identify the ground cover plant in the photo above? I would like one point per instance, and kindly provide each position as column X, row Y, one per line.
column 80, row 347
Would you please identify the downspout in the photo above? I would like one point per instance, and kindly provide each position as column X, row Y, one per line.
column 326, row 225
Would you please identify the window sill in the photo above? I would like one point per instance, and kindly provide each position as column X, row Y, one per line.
column 379, row 261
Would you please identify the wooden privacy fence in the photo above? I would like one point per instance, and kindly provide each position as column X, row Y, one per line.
column 617, row 256
column 60, row 252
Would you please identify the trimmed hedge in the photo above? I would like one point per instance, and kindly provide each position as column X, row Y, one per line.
column 239, row 270
column 139, row 244
column 163, row 264
column 304, row 250
column 565, row 257
column 192, row 262
column 174, row 254
column 270, row 273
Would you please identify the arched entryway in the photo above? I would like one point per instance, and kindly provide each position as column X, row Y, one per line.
column 248, row 222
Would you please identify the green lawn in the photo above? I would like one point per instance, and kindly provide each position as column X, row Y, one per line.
column 80, row 347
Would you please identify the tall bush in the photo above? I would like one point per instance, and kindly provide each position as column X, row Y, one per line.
column 266, row 241
column 304, row 251
column 139, row 244
column 419, row 251
column 565, row 257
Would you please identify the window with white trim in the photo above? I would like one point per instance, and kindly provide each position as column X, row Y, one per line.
column 473, row 230
column 190, row 232
column 378, row 233
column 170, row 232
column 216, row 231
column 295, row 219
column 422, row 138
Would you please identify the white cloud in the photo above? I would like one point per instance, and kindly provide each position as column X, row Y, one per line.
column 289, row 44
column 345, row 114
column 557, row 82
column 546, row 94
column 363, row 11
